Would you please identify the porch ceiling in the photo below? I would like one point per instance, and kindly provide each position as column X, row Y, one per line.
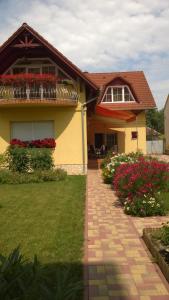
column 115, row 114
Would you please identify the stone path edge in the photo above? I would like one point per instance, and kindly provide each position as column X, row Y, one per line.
column 150, row 255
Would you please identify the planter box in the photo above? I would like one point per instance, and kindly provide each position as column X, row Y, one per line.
column 154, row 249
column 99, row 162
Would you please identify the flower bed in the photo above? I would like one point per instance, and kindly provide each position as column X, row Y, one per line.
column 152, row 238
column 140, row 178
column 138, row 181
column 138, row 185
column 145, row 206
column 111, row 163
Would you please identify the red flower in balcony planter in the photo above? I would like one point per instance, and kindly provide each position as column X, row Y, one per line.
column 28, row 77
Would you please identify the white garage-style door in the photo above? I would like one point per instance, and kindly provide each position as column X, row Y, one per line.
column 28, row 131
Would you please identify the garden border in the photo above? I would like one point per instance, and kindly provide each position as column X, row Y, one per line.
column 154, row 250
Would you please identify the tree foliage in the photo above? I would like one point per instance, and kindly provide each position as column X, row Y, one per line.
column 155, row 119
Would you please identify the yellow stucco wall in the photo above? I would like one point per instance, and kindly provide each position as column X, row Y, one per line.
column 138, row 144
column 67, row 128
column 125, row 143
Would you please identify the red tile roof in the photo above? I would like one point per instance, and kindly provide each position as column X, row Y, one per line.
column 137, row 82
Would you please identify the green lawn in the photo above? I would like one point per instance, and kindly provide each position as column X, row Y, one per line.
column 165, row 197
column 46, row 219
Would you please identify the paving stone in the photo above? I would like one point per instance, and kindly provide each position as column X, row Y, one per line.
column 118, row 263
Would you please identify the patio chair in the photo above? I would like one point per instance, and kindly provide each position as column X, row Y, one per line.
column 103, row 151
column 92, row 151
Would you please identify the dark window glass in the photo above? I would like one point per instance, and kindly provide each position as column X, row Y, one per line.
column 108, row 96
column 48, row 70
column 127, row 95
column 19, row 71
column 117, row 94
column 134, row 135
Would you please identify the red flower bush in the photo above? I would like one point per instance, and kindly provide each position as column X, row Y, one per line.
column 145, row 177
column 44, row 143
column 17, row 142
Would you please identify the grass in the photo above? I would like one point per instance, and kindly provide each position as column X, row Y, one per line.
column 46, row 219
column 165, row 197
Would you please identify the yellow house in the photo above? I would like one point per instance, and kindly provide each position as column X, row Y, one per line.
column 43, row 95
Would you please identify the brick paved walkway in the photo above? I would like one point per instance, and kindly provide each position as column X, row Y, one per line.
column 119, row 267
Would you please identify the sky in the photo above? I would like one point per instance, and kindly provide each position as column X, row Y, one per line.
column 101, row 35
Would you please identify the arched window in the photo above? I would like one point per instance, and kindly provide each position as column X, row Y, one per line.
column 118, row 94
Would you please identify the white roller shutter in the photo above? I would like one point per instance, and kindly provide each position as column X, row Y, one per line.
column 27, row 131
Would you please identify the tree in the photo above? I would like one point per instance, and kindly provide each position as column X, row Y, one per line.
column 155, row 119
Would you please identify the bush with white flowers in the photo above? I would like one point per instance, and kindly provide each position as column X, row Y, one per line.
column 145, row 206
column 110, row 165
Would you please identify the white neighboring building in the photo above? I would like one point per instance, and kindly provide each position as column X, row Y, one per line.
column 166, row 122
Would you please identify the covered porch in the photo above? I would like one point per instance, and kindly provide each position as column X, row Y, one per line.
column 102, row 138
column 118, row 131
column 101, row 133
column 106, row 130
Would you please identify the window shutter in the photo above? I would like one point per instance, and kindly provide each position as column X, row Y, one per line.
column 27, row 131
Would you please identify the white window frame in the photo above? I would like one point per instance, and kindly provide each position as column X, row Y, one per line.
column 123, row 100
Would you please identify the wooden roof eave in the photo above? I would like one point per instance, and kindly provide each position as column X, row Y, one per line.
column 52, row 49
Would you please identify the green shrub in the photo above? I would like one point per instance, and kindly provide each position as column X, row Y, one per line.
column 164, row 234
column 21, row 279
column 52, row 175
column 5, row 176
column 23, row 159
column 40, row 159
column 107, row 158
column 8, row 177
column 2, row 160
column 145, row 206
column 18, row 159
column 17, row 276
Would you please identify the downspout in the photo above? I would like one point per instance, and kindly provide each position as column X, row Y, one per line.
column 83, row 109
column 137, row 131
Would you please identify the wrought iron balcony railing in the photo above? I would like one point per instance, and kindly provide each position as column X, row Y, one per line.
column 37, row 91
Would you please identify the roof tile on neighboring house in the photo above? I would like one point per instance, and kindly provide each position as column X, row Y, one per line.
column 138, row 82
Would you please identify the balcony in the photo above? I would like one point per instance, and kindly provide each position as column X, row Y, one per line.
column 37, row 92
